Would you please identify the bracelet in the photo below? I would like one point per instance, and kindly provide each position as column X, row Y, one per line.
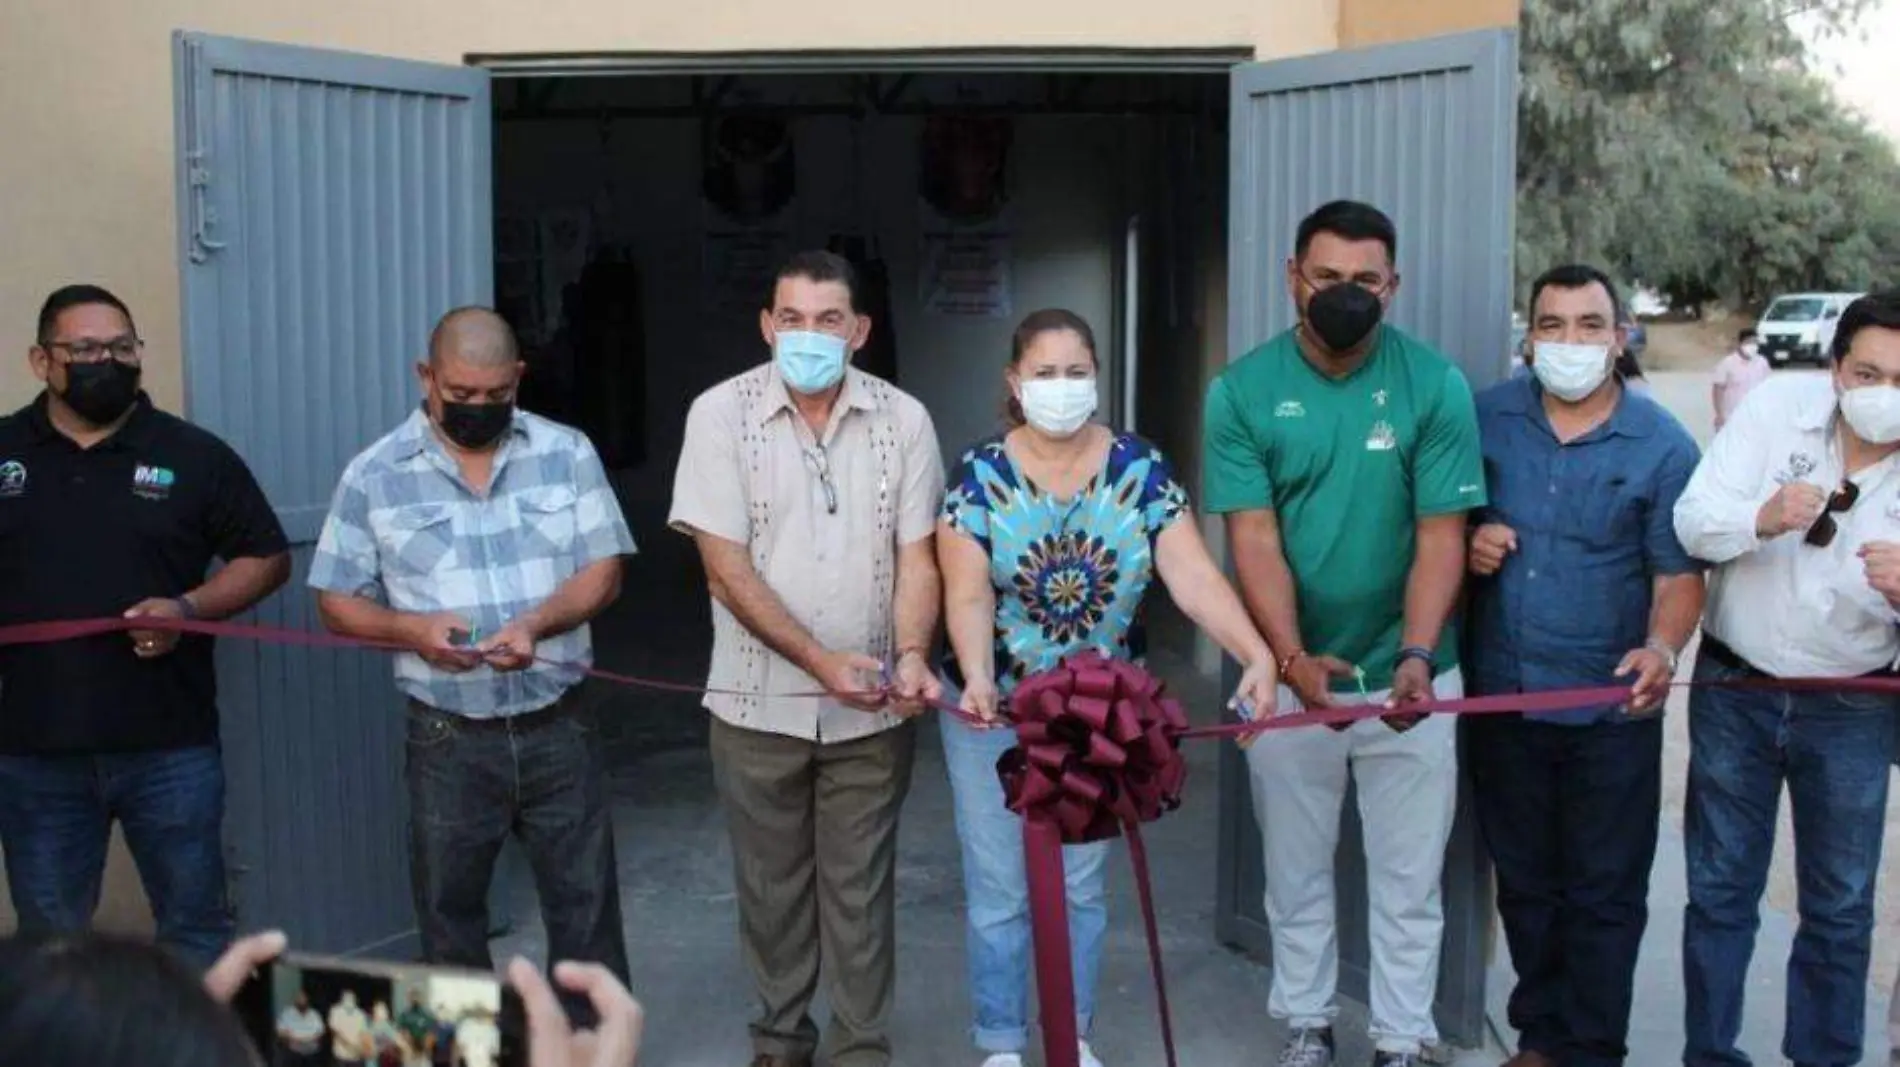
column 186, row 609
column 1418, row 652
column 1663, row 649
column 1290, row 659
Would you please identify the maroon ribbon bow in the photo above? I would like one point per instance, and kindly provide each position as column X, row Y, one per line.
column 1098, row 754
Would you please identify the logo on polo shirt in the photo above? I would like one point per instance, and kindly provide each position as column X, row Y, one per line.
column 1381, row 439
column 1290, row 409
column 12, row 478
column 152, row 483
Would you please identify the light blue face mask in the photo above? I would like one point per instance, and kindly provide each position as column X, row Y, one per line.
column 809, row 362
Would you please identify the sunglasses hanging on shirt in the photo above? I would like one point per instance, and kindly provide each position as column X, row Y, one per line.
column 1821, row 534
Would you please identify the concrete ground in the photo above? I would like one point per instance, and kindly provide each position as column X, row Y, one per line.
column 681, row 924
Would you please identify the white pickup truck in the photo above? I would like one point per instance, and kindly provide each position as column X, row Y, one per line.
column 1800, row 326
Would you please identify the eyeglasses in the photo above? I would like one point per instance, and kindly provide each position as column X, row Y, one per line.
column 124, row 349
column 1372, row 281
column 820, row 465
column 1821, row 534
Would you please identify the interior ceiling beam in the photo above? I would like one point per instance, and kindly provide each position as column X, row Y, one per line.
column 971, row 61
column 687, row 111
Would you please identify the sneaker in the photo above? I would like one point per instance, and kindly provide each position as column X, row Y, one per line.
column 1086, row 1055
column 1004, row 1059
column 1308, row 1048
column 1397, row 1059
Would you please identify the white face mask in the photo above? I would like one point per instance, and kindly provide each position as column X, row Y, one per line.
column 1058, row 406
column 1873, row 413
column 1570, row 372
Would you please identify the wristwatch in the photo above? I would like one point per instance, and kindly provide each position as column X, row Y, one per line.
column 1418, row 652
column 186, row 609
column 1661, row 648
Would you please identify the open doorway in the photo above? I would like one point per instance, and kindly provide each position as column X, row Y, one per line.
column 639, row 218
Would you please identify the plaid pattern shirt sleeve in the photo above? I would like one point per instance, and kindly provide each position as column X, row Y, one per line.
column 346, row 560
column 600, row 526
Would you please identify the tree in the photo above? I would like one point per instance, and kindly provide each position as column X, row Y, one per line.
column 1685, row 144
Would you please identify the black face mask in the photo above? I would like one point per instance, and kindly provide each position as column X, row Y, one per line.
column 1343, row 315
column 101, row 392
column 475, row 426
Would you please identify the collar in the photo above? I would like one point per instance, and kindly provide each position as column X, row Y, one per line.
column 1632, row 417
column 774, row 397
column 416, row 434
column 136, row 433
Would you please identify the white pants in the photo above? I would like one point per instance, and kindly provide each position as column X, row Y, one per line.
column 1408, row 791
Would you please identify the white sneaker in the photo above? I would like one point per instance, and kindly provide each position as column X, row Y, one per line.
column 1088, row 1056
column 1004, row 1059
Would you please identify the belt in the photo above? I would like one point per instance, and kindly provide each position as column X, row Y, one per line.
column 520, row 722
column 1714, row 648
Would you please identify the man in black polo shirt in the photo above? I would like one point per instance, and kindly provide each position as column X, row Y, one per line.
column 110, row 507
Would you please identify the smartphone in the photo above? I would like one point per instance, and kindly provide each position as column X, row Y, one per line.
column 320, row 1010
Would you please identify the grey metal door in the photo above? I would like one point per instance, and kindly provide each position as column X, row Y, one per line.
column 330, row 207
column 1427, row 131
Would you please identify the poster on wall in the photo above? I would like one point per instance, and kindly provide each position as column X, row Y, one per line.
column 748, row 171
column 966, row 274
column 739, row 266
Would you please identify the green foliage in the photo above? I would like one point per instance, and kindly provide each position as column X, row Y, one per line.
column 1687, row 146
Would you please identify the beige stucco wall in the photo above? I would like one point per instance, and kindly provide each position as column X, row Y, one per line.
column 86, row 177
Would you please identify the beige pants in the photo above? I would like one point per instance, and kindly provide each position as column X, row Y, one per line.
column 814, row 856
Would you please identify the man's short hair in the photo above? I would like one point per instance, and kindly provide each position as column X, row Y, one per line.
column 1352, row 220
column 1576, row 276
column 1745, row 334
column 67, row 297
column 816, row 265
column 1874, row 311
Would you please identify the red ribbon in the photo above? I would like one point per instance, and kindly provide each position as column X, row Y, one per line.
column 1098, row 755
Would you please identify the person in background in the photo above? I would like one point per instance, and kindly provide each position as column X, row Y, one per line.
column 1797, row 505
column 485, row 538
column 110, row 507
column 350, row 1040
column 478, row 1039
column 1737, row 373
column 1579, row 581
column 442, row 1039
column 1345, row 455
column 300, row 1032
column 1049, row 538
column 811, row 490
column 417, row 1026
column 387, row 1040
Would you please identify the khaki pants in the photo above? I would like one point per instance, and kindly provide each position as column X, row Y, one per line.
column 814, row 855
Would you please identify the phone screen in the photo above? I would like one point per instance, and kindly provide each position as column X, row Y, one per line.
column 316, row 1010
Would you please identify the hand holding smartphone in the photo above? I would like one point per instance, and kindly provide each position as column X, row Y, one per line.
column 309, row 1010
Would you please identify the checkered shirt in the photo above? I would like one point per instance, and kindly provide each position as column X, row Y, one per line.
column 405, row 530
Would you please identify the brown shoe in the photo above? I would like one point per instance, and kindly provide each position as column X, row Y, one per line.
column 1527, row 1058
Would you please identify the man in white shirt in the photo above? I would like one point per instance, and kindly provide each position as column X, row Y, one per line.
column 477, row 1040
column 1737, row 373
column 1797, row 503
column 349, row 1032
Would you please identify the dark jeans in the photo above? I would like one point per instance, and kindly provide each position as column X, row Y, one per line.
column 56, row 815
column 1570, row 816
column 471, row 784
column 1832, row 750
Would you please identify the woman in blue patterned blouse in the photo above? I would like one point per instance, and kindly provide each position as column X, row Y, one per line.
column 1049, row 537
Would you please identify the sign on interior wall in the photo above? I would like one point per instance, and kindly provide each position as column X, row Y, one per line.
column 739, row 266
column 963, row 172
column 966, row 274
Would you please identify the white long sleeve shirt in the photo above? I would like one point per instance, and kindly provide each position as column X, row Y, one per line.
column 1785, row 606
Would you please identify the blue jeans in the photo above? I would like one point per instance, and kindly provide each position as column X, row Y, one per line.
column 996, row 893
column 1832, row 750
column 56, row 815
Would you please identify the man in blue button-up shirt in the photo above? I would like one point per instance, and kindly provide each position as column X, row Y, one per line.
column 1580, row 581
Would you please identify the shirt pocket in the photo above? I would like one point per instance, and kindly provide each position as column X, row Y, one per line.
column 420, row 538
column 1608, row 514
column 549, row 522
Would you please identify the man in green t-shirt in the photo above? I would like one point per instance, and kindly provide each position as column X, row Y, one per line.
column 1344, row 455
column 416, row 1024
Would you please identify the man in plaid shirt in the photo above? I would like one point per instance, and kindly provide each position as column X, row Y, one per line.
column 485, row 538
